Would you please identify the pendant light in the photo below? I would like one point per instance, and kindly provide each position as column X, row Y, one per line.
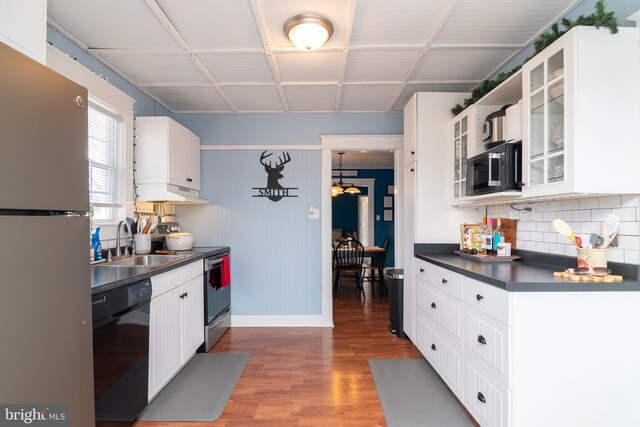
column 338, row 187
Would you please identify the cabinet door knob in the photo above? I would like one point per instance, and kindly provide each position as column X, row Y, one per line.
column 481, row 398
column 181, row 296
column 433, row 347
column 413, row 152
column 481, row 340
column 413, row 170
column 433, row 305
column 186, row 294
column 189, row 179
column 479, row 297
column 444, row 281
column 422, row 270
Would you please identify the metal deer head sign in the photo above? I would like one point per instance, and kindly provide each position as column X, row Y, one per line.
column 274, row 191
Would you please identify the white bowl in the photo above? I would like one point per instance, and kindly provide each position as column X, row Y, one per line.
column 179, row 241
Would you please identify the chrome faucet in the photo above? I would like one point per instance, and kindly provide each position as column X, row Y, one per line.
column 127, row 229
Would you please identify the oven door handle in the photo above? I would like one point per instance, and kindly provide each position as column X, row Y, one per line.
column 492, row 182
column 212, row 262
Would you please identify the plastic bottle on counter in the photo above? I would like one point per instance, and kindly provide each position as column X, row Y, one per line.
column 97, row 246
column 498, row 236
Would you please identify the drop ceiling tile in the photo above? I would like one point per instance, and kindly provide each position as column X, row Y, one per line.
column 379, row 65
column 276, row 12
column 386, row 23
column 318, row 66
column 311, row 98
column 214, row 24
column 111, row 24
column 409, row 90
column 459, row 64
column 255, row 98
column 366, row 97
column 498, row 21
column 156, row 68
column 189, row 99
column 238, row 67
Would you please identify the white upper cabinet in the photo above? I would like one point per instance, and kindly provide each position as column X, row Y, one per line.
column 166, row 154
column 580, row 102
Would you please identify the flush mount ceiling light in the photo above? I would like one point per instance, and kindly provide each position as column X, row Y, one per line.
column 308, row 31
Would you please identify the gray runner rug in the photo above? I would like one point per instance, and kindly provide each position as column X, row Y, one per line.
column 412, row 395
column 200, row 391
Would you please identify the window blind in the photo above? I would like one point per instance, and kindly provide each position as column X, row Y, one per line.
column 105, row 163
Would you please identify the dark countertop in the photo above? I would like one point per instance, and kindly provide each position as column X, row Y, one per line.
column 523, row 275
column 104, row 278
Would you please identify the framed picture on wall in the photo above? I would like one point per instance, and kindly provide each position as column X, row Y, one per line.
column 388, row 215
column 388, row 201
column 390, row 189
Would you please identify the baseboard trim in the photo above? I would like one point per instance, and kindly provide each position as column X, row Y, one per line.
column 277, row 321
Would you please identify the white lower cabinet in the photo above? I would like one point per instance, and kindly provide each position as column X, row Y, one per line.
column 484, row 397
column 177, row 323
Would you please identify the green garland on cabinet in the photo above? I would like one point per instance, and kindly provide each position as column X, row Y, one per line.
column 600, row 18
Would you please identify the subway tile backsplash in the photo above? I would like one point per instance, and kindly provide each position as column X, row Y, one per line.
column 584, row 216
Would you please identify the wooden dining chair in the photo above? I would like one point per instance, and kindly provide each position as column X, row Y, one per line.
column 377, row 265
column 348, row 256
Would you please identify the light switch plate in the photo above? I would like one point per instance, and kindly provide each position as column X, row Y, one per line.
column 314, row 213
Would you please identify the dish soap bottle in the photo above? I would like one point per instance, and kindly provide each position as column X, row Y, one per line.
column 97, row 246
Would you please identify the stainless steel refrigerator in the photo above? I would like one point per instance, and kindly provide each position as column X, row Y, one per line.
column 45, row 301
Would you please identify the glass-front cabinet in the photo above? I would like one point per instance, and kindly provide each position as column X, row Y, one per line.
column 460, row 155
column 545, row 158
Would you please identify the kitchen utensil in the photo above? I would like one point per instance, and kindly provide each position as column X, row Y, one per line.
column 579, row 241
column 592, row 240
column 179, row 241
column 146, row 228
column 564, row 229
column 611, row 224
column 142, row 224
column 154, row 227
column 599, row 241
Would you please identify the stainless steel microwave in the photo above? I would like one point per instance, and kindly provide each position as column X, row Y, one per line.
column 495, row 170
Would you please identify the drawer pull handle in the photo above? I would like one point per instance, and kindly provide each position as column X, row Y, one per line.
column 481, row 340
column 444, row 281
column 481, row 398
column 433, row 347
column 422, row 270
column 479, row 297
column 433, row 305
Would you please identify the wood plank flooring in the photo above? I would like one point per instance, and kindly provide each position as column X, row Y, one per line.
column 311, row 376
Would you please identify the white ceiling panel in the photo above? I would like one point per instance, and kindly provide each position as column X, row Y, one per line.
column 276, row 12
column 123, row 24
column 255, row 98
column 398, row 22
column 238, row 67
column 189, row 99
column 318, row 66
column 379, row 65
column 451, row 65
column 366, row 97
column 155, row 68
column 409, row 90
column 216, row 24
column 310, row 98
column 498, row 21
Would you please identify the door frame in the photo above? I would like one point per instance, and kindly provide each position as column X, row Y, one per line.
column 331, row 143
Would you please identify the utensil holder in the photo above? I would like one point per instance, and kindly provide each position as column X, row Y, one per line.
column 143, row 243
column 592, row 257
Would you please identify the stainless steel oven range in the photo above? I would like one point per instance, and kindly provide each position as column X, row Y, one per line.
column 217, row 300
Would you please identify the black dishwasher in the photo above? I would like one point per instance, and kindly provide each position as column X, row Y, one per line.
column 121, row 353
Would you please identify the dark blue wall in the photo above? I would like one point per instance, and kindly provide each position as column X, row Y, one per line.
column 345, row 209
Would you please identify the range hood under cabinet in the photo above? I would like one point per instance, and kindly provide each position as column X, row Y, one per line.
column 167, row 159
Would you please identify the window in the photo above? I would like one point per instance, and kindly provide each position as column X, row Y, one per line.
column 105, row 164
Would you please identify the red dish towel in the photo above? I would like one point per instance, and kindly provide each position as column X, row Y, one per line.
column 226, row 272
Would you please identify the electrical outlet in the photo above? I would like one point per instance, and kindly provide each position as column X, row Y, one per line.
column 524, row 212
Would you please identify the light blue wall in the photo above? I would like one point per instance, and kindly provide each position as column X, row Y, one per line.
column 276, row 248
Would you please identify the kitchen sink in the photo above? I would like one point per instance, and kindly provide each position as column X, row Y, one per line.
column 145, row 261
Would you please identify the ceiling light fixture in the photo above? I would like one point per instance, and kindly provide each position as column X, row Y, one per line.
column 337, row 187
column 308, row 31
